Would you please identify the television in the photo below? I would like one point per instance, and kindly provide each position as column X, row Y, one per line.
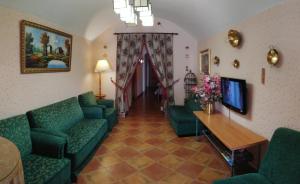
column 234, row 94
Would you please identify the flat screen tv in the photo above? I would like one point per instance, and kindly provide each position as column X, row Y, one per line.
column 234, row 94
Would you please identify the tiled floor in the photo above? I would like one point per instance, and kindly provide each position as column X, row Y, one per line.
column 143, row 148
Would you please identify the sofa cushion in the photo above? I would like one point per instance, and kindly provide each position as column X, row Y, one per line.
column 281, row 163
column 39, row 169
column 87, row 99
column 82, row 133
column 252, row 178
column 181, row 115
column 58, row 116
column 17, row 130
column 83, row 138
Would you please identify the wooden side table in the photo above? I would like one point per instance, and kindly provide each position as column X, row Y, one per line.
column 11, row 169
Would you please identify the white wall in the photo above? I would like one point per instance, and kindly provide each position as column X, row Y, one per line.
column 276, row 103
column 22, row 92
column 180, row 61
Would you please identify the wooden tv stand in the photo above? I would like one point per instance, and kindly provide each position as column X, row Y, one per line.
column 227, row 136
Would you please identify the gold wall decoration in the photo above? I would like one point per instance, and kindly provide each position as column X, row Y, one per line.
column 216, row 60
column 234, row 38
column 236, row 63
column 273, row 57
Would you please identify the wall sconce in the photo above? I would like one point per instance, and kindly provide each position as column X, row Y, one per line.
column 234, row 38
column 273, row 56
column 236, row 63
column 216, row 60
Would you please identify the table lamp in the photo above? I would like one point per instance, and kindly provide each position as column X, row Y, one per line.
column 102, row 66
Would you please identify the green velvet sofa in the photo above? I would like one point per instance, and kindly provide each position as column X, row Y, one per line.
column 182, row 118
column 88, row 99
column 83, row 129
column 281, row 164
column 41, row 154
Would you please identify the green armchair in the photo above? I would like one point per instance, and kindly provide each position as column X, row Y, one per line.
column 88, row 101
column 182, row 118
column 281, row 164
column 41, row 154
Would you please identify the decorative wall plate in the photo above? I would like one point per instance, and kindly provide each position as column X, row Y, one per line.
column 273, row 57
column 234, row 38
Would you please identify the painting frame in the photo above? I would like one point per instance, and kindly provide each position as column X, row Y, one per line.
column 205, row 61
column 61, row 57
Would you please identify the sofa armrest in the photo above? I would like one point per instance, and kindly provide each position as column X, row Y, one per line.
column 93, row 112
column 107, row 103
column 48, row 144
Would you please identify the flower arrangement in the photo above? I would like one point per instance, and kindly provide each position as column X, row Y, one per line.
column 210, row 92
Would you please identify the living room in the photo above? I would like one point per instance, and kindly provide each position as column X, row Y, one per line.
column 137, row 141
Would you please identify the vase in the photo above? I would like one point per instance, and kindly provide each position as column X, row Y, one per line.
column 210, row 108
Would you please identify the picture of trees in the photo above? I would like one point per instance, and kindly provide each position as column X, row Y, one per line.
column 44, row 49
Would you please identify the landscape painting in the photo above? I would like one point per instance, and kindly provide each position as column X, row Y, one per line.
column 44, row 49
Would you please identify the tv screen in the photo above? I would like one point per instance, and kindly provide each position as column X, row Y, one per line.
column 234, row 93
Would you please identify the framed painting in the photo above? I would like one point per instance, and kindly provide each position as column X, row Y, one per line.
column 44, row 49
column 205, row 62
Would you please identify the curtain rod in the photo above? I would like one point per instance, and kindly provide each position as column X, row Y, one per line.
column 145, row 33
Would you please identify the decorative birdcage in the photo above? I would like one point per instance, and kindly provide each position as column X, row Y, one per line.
column 190, row 80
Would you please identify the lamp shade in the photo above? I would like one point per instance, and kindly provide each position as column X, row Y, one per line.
column 102, row 66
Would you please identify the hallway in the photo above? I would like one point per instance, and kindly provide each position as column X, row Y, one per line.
column 143, row 148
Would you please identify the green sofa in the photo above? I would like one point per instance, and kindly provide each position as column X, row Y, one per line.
column 182, row 118
column 41, row 154
column 281, row 164
column 87, row 100
column 83, row 129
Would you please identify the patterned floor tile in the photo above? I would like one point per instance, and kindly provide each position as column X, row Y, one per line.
column 190, row 169
column 144, row 149
column 155, row 154
column 120, row 170
column 156, row 172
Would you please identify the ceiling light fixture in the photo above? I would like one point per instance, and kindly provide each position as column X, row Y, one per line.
column 130, row 10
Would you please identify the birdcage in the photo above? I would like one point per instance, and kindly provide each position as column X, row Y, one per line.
column 190, row 80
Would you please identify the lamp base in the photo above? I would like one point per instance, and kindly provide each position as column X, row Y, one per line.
column 102, row 96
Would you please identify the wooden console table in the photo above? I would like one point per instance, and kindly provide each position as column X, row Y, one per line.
column 227, row 136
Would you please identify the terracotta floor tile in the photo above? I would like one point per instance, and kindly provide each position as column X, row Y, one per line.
column 131, row 141
column 190, row 169
column 134, row 131
column 140, row 162
column 169, row 147
column 127, row 152
column 120, row 170
column 210, row 175
column 184, row 153
column 143, row 148
column 202, row 158
column 180, row 140
column 156, row 172
column 155, row 154
column 100, row 175
column 155, row 141
column 171, row 161
column 176, row 178
column 101, row 150
column 137, row 178
column 108, row 160
column 219, row 164
column 91, row 166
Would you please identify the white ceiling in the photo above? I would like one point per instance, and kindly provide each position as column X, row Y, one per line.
column 201, row 18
